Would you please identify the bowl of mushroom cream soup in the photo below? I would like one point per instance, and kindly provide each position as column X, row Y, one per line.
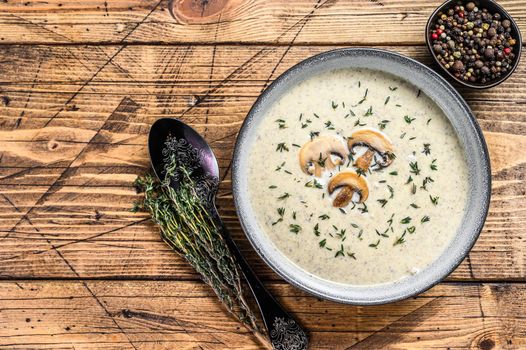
column 361, row 176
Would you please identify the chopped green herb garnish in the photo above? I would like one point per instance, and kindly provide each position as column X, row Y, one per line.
column 405, row 220
column 363, row 209
column 434, row 200
column 427, row 149
column 282, row 147
column 408, row 120
column 428, row 121
column 281, row 212
column 369, row 112
column 361, row 172
column 414, row 205
column 351, row 255
column 317, row 230
column 294, row 228
column 323, row 242
column 393, row 88
column 391, row 191
column 433, row 165
column 390, row 221
column 426, row 181
column 360, row 235
column 411, row 229
column 314, row 134
column 340, row 252
column 400, row 240
column 383, row 234
column 403, row 135
column 321, row 161
column 374, row 245
column 410, row 179
column 358, row 123
column 363, row 98
column 296, row 145
column 281, row 123
column 324, row 217
column 328, row 125
column 277, row 221
column 334, row 105
column 313, row 183
column 387, row 100
column 383, row 124
column 394, row 173
column 279, row 167
column 272, row 187
column 284, row 196
column 414, row 168
column 425, row 218
column 383, row 202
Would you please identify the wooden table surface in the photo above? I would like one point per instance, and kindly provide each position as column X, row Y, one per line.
column 81, row 81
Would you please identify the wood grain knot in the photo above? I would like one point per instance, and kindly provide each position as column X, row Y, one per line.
column 199, row 11
column 486, row 344
column 52, row 145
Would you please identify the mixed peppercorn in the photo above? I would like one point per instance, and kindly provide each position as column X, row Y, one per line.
column 474, row 45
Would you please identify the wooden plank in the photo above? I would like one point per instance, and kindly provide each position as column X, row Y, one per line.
column 185, row 315
column 73, row 126
column 356, row 22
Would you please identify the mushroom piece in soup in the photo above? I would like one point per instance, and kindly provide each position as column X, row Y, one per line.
column 363, row 180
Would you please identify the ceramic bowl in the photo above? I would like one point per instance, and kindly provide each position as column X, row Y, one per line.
column 492, row 7
column 472, row 142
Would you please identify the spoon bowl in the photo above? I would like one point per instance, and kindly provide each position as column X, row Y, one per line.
column 165, row 128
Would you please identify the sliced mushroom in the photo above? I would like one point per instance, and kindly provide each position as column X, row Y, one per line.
column 315, row 155
column 349, row 183
column 377, row 143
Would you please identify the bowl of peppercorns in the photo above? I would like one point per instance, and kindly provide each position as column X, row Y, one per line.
column 476, row 43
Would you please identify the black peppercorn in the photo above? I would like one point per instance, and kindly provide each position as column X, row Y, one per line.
column 489, row 53
column 458, row 66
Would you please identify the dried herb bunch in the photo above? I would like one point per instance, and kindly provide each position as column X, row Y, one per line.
column 191, row 231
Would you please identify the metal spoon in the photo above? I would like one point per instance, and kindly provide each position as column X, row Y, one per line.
column 284, row 331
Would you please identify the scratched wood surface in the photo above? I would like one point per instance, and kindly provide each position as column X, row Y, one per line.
column 80, row 84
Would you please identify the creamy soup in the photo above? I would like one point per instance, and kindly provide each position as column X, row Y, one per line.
column 358, row 177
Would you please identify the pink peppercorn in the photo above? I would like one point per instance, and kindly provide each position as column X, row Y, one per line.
column 507, row 50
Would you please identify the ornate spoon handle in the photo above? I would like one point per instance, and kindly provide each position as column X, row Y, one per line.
column 284, row 331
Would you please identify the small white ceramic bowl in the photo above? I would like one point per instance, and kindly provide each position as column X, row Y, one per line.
column 472, row 142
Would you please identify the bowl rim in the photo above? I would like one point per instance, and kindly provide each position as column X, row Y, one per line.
column 502, row 11
column 239, row 198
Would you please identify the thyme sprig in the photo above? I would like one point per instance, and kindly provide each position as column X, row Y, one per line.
column 188, row 227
